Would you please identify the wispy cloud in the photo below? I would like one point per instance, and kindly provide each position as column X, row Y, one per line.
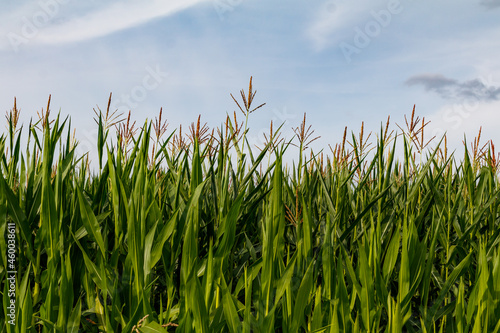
column 99, row 21
column 490, row 4
column 452, row 89
column 330, row 19
column 116, row 17
column 457, row 120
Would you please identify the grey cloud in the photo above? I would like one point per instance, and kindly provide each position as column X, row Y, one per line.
column 490, row 4
column 453, row 89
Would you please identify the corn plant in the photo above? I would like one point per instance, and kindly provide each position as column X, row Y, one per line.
column 198, row 231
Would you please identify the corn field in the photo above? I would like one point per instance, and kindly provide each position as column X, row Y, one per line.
column 200, row 231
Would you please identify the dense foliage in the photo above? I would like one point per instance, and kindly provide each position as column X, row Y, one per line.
column 201, row 232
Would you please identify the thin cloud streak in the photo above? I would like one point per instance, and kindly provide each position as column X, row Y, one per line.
column 110, row 19
column 451, row 89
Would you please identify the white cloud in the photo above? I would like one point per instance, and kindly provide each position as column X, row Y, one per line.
column 335, row 20
column 466, row 119
column 52, row 27
column 330, row 18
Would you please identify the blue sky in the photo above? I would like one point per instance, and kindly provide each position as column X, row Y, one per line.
column 342, row 62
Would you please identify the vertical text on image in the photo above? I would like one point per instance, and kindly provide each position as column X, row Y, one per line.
column 11, row 272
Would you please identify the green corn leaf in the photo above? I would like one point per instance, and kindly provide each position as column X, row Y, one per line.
column 455, row 274
column 301, row 301
column 152, row 327
column 230, row 311
column 90, row 222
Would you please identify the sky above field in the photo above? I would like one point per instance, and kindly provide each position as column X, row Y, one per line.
column 341, row 62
